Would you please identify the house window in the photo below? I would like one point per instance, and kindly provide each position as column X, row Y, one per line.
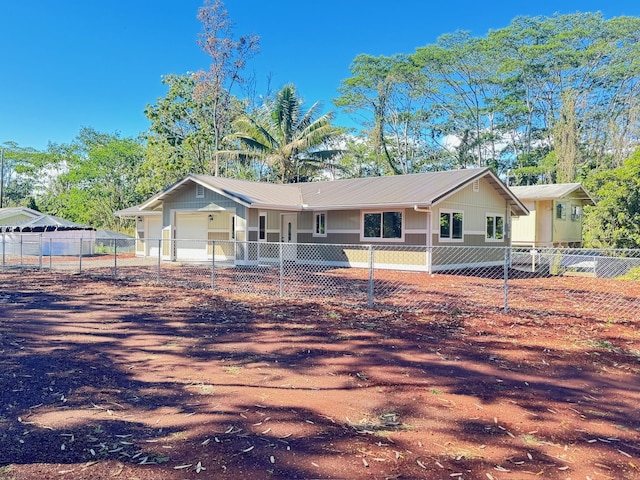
column 199, row 191
column 451, row 225
column 320, row 225
column 262, row 227
column 561, row 211
column 495, row 227
column 382, row 226
column 576, row 213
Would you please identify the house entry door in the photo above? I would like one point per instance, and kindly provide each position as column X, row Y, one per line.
column 289, row 235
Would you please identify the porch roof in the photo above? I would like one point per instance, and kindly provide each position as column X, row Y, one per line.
column 553, row 191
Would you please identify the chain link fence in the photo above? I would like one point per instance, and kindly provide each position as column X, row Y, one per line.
column 599, row 284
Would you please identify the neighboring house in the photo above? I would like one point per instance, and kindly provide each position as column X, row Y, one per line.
column 555, row 218
column 455, row 208
column 29, row 232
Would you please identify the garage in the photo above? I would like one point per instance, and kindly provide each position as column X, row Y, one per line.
column 190, row 233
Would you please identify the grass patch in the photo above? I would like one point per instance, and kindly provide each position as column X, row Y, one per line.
column 233, row 369
column 529, row 439
column 602, row 344
column 5, row 473
column 633, row 274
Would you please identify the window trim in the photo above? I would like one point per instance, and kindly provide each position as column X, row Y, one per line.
column 315, row 224
column 199, row 191
column 450, row 239
column 381, row 238
column 262, row 215
column 493, row 238
column 576, row 212
column 561, row 211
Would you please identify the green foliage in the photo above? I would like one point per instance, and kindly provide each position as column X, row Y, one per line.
column 284, row 140
column 91, row 178
column 633, row 274
column 566, row 83
column 21, row 175
column 614, row 222
column 401, row 131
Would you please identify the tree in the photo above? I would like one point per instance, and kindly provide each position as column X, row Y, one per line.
column 465, row 70
column 20, row 176
column 93, row 177
column 281, row 137
column 392, row 94
column 228, row 59
column 567, row 146
column 614, row 222
column 180, row 138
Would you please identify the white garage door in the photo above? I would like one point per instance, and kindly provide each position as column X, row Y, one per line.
column 191, row 236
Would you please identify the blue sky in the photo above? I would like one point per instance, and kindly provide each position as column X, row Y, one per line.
column 72, row 63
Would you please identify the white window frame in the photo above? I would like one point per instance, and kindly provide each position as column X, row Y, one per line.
column 381, row 238
column 495, row 217
column 450, row 238
column 316, row 215
column 199, row 191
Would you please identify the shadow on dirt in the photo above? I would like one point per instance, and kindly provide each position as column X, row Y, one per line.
column 179, row 381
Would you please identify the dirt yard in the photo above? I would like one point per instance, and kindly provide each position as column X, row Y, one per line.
column 105, row 379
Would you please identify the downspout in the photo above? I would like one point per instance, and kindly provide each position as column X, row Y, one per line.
column 429, row 239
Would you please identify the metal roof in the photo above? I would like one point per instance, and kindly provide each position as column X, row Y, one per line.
column 401, row 191
column 552, row 191
column 37, row 221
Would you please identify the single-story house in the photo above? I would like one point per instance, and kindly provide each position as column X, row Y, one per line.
column 469, row 207
column 28, row 232
column 555, row 218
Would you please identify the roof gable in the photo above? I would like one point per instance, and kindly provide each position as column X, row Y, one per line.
column 9, row 215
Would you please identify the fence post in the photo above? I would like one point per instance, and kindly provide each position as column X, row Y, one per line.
column 370, row 290
column 80, row 256
column 281, row 269
column 507, row 256
column 159, row 256
column 115, row 258
column 40, row 253
column 50, row 254
column 213, row 264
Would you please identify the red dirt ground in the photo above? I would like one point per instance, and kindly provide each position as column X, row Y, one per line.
column 105, row 379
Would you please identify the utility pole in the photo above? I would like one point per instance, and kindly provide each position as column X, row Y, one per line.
column 1, row 177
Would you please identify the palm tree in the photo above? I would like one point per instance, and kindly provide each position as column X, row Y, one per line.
column 279, row 135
